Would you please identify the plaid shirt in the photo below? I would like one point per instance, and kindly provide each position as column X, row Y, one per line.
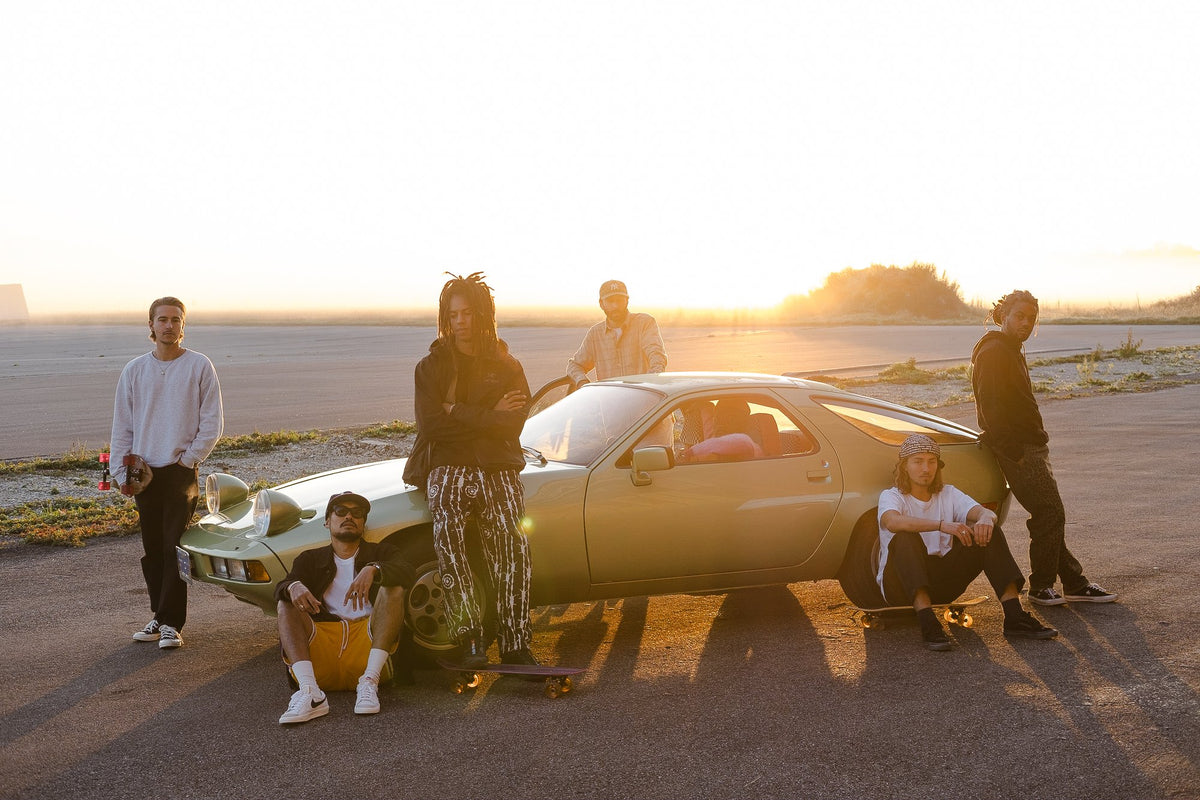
column 633, row 349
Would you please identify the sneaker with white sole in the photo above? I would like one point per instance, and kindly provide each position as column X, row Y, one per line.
column 169, row 637
column 1047, row 597
column 1092, row 593
column 368, row 697
column 303, row 707
column 148, row 633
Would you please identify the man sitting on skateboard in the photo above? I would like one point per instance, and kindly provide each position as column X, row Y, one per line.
column 341, row 609
column 934, row 540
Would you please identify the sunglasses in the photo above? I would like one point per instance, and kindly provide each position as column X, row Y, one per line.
column 350, row 511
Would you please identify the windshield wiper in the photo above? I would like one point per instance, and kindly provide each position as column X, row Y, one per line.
column 535, row 455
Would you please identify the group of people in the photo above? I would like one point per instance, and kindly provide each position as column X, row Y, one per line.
column 341, row 606
column 934, row 540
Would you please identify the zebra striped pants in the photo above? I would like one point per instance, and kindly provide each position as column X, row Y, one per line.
column 497, row 502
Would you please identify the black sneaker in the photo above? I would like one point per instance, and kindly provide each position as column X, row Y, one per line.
column 1047, row 597
column 932, row 632
column 148, row 633
column 523, row 656
column 1092, row 593
column 1027, row 626
column 473, row 654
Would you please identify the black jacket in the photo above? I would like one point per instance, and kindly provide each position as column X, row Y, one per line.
column 1007, row 411
column 315, row 569
column 473, row 434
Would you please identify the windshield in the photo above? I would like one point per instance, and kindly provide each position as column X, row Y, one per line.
column 581, row 426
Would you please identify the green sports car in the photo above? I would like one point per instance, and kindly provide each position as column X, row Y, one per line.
column 649, row 484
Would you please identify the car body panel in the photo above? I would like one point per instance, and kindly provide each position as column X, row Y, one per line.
column 689, row 527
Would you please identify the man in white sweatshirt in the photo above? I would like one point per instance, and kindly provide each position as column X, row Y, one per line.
column 168, row 414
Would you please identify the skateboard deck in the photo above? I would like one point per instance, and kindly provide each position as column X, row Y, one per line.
column 558, row 679
column 954, row 613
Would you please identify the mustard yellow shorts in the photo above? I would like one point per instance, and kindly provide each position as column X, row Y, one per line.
column 339, row 651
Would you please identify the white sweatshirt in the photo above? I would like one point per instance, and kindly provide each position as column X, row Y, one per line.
column 166, row 411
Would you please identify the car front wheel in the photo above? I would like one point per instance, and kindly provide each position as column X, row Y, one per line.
column 425, row 604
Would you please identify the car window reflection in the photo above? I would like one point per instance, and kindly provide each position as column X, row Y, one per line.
column 581, row 426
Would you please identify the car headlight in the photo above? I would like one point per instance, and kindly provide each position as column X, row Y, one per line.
column 232, row 569
column 274, row 512
column 223, row 491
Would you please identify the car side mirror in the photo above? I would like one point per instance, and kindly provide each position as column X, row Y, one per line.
column 649, row 459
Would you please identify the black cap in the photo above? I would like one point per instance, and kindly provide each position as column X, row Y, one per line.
column 343, row 497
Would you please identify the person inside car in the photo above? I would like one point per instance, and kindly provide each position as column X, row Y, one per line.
column 341, row 609
column 934, row 540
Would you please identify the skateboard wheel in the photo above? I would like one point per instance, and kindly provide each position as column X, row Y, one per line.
column 967, row 621
column 104, row 458
column 567, row 685
column 104, row 486
column 474, row 680
column 552, row 690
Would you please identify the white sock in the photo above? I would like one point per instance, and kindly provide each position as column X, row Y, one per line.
column 302, row 671
column 375, row 661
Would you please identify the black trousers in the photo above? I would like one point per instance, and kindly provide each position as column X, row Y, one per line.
column 165, row 509
column 1033, row 484
column 910, row 568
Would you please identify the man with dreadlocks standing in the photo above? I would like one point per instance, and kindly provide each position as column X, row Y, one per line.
column 471, row 403
column 1012, row 426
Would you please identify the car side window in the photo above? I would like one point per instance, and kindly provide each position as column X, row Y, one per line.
column 729, row 428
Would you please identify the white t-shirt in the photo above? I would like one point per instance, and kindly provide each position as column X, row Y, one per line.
column 335, row 595
column 948, row 505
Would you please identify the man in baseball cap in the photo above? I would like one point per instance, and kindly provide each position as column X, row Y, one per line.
column 625, row 343
column 934, row 540
column 341, row 608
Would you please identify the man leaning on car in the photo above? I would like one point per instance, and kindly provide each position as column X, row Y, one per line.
column 341, row 608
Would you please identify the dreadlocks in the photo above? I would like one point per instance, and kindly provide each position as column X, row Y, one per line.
column 483, row 307
column 1005, row 304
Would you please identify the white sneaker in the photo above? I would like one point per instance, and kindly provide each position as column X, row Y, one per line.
column 148, row 633
column 368, row 697
column 303, row 707
column 168, row 637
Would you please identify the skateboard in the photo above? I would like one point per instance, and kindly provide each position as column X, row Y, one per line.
column 558, row 679
column 954, row 613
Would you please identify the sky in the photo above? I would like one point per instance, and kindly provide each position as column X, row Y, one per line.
column 301, row 155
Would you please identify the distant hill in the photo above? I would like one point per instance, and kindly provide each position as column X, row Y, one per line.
column 1186, row 306
column 882, row 295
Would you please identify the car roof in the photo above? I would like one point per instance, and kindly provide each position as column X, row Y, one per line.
column 673, row 382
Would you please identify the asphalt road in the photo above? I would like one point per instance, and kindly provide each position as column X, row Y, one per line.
column 57, row 382
column 771, row 692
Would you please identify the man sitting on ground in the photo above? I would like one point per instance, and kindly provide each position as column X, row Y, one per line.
column 341, row 609
column 934, row 540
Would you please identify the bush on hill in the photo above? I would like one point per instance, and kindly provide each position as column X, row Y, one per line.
column 882, row 294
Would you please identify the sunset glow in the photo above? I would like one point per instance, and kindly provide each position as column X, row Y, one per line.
column 302, row 155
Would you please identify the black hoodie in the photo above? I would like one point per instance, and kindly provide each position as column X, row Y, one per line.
column 473, row 435
column 1007, row 411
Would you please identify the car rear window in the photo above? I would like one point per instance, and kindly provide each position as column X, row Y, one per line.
column 893, row 425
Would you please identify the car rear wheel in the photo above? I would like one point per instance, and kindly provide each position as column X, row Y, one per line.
column 857, row 573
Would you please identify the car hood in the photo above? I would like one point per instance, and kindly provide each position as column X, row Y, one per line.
column 393, row 503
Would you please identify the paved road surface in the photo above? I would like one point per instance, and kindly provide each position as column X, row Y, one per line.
column 763, row 693
column 57, row 382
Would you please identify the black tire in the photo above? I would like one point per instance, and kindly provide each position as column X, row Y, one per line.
column 857, row 573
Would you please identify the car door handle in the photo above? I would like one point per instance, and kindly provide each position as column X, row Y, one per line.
column 818, row 475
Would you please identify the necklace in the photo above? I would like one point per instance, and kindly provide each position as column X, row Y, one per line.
column 163, row 366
